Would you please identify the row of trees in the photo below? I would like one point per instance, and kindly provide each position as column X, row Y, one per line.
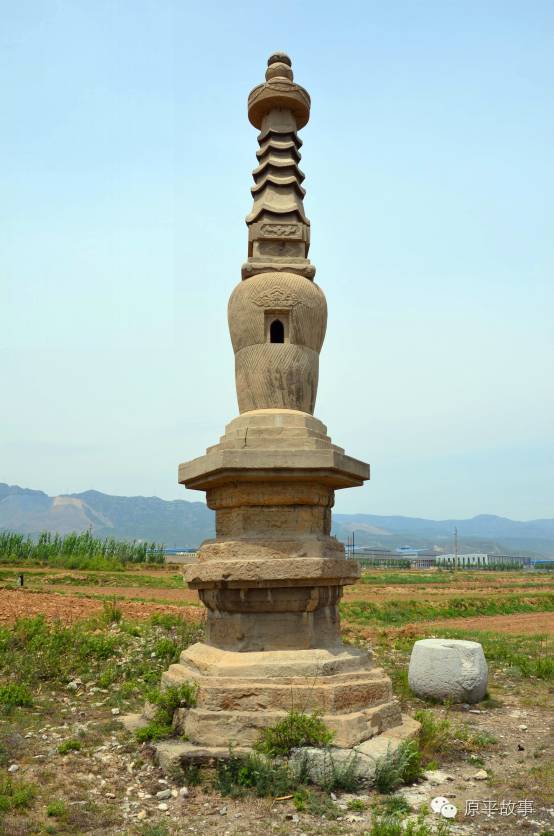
column 15, row 547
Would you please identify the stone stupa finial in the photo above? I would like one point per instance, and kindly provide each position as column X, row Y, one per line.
column 278, row 229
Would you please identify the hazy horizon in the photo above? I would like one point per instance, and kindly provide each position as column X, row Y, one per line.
column 430, row 190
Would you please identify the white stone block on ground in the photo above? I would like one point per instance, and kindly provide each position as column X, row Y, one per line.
column 448, row 669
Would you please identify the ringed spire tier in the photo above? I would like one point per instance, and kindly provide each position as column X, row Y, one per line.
column 278, row 229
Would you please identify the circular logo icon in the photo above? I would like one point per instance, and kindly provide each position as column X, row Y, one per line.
column 449, row 811
column 438, row 803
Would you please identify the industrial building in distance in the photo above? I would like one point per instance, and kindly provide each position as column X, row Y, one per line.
column 407, row 557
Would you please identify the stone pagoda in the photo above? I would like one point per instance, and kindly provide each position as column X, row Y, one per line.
column 272, row 578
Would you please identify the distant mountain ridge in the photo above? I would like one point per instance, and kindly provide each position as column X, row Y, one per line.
column 182, row 523
column 176, row 522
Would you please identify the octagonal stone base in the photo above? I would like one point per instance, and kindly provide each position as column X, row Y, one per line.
column 241, row 693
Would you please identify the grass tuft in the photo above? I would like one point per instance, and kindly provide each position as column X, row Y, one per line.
column 67, row 746
column 56, row 809
column 14, row 794
column 13, row 695
column 293, row 732
column 401, row 766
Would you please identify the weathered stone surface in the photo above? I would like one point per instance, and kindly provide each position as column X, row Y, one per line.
column 340, row 694
column 174, row 753
column 132, row 722
column 320, row 764
column 205, row 660
column 450, row 669
column 291, row 569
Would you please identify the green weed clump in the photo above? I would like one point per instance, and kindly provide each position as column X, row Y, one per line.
column 56, row 809
column 170, row 699
column 14, row 794
column 401, row 766
column 392, row 805
column 153, row 731
column 293, row 732
column 111, row 613
column 393, row 825
column 356, row 805
column 13, row 695
column 67, row 746
column 316, row 804
column 167, row 702
column 439, row 735
column 236, row 776
column 435, row 734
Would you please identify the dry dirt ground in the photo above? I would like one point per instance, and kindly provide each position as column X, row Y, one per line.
column 18, row 603
column 111, row 785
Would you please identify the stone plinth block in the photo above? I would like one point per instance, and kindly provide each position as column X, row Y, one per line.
column 448, row 669
column 321, row 764
column 239, row 694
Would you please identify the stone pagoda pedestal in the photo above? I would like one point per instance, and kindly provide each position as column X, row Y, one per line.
column 271, row 581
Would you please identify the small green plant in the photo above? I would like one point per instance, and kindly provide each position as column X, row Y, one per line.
column 107, row 677
column 334, row 775
column 435, row 734
column 167, row 702
column 111, row 613
column 170, row 699
column 316, row 804
column 396, row 825
column 56, row 809
column 15, row 695
column 294, row 731
column 71, row 745
column 154, row 830
column 14, row 794
column 153, row 731
column 393, row 805
column 236, row 776
column 402, row 766
column 356, row 805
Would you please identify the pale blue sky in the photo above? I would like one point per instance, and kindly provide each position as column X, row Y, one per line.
column 125, row 181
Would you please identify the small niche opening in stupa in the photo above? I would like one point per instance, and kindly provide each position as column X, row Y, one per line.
column 276, row 332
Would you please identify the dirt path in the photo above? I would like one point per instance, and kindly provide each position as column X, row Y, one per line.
column 18, row 603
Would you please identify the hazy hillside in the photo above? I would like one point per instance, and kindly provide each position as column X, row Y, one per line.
column 182, row 523
column 126, row 517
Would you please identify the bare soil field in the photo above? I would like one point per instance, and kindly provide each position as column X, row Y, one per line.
column 517, row 624
column 21, row 603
